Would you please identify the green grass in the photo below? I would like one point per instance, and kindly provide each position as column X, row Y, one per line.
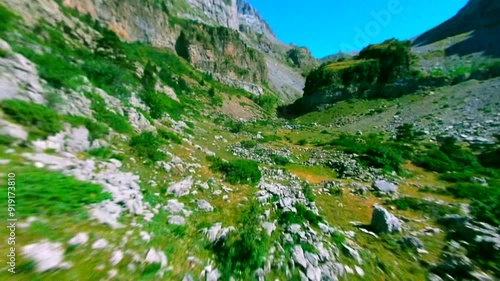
column 45, row 193
column 42, row 121
column 170, row 136
column 237, row 171
column 96, row 130
column 147, row 145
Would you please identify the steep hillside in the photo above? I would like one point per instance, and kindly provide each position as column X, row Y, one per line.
column 125, row 159
column 475, row 29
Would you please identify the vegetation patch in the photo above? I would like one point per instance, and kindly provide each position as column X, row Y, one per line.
column 42, row 120
column 237, row 171
column 147, row 145
column 52, row 193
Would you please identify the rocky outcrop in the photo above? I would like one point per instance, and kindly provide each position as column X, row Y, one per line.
column 384, row 222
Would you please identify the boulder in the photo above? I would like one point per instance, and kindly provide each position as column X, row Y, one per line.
column 204, row 205
column 384, row 222
column 176, row 220
column 181, row 188
column 46, row 255
column 385, row 186
column 412, row 242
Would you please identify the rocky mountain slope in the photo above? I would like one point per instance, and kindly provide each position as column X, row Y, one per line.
column 121, row 159
column 475, row 29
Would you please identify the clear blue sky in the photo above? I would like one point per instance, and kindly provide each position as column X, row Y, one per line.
column 329, row 26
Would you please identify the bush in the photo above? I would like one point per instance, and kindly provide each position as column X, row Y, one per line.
column 302, row 142
column 237, row 171
column 116, row 121
column 336, row 191
column 101, row 153
column 96, row 130
column 407, row 133
column 485, row 201
column 170, row 136
column 160, row 104
column 235, row 127
column 308, row 192
column 43, row 120
column 147, row 145
column 302, row 215
column 428, row 207
column 244, row 250
column 279, row 160
column 248, row 144
column 47, row 193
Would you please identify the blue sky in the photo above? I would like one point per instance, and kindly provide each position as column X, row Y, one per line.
column 329, row 26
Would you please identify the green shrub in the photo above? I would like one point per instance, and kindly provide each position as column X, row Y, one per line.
column 237, row 171
column 428, row 207
column 147, row 145
column 96, row 130
column 43, row 120
column 161, row 104
column 308, row 192
column 101, row 153
column 244, row 250
column 9, row 19
column 48, row 193
column 336, row 191
column 302, row 142
column 407, row 133
column 248, row 144
column 269, row 138
column 302, row 215
column 6, row 140
column 112, row 78
column 235, row 126
column 485, row 201
column 170, row 136
column 279, row 160
column 116, row 121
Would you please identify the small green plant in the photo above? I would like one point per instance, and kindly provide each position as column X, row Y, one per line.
column 101, row 153
column 244, row 250
column 308, row 192
column 52, row 193
column 336, row 191
column 42, row 120
column 96, row 130
column 170, row 136
column 302, row 142
column 248, row 144
column 279, row 160
column 237, row 171
column 302, row 215
column 147, row 145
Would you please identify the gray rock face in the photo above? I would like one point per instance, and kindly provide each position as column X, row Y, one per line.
column 46, row 255
column 385, row 186
column 298, row 256
column 19, row 78
column 156, row 256
column 384, row 222
column 204, row 205
column 216, row 232
column 181, row 188
column 412, row 242
column 269, row 227
column 174, row 206
column 12, row 130
column 352, row 253
column 78, row 140
column 176, row 220
column 138, row 121
column 80, row 239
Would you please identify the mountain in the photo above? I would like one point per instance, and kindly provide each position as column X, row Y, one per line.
column 238, row 28
column 139, row 140
column 475, row 29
